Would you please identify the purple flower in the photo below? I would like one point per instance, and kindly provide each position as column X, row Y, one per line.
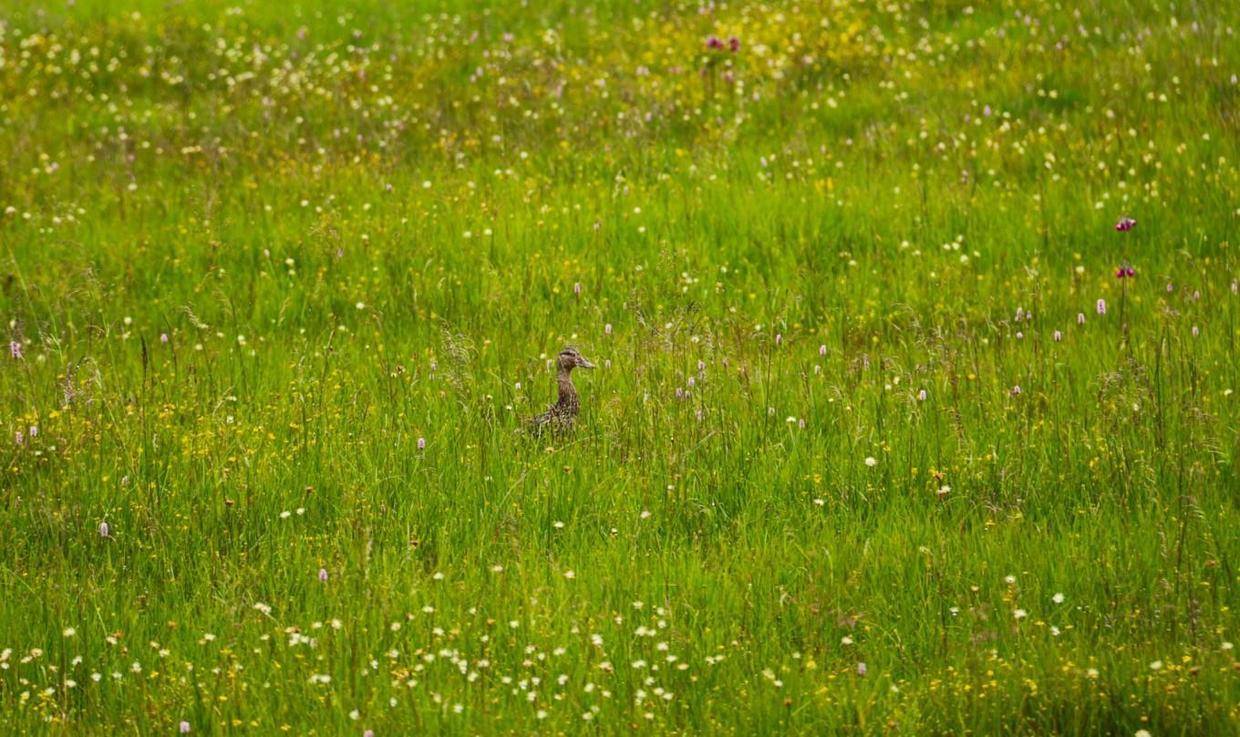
column 19, row 438
column 822, row 350
column 1125, row 224
column 421, row 443
column 577, row 289
column 779, row 339
column 104, row 530
column 1125, row 272
column 368, row 733
column 1080, row 318
column 734, row 44
column 714, row 43
column 1016, row 390
column 1101, row 307
column 15, row 349
column 921, row 395
column 323, row 575
column 163, row 338
column 607, row 329
column 1058, row 336
column 184, row 727
column 861, row 669
column 34, row 431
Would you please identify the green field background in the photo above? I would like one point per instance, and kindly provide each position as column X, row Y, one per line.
column 878, row 443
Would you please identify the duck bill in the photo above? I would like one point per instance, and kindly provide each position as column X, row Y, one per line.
column 585, row 363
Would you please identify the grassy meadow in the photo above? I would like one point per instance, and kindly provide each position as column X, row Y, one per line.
column 879, row 442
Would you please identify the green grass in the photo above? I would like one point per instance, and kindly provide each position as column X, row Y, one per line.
column 251, row 256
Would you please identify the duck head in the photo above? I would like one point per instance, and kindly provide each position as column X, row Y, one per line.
column 570, row 358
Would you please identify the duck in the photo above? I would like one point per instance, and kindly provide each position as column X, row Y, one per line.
column 560, row 416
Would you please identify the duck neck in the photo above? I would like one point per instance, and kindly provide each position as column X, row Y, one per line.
column 567, row 392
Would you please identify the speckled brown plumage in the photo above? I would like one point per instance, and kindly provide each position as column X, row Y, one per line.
column 560, row 416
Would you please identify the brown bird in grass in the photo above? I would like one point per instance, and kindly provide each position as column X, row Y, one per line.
column 560, row 416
